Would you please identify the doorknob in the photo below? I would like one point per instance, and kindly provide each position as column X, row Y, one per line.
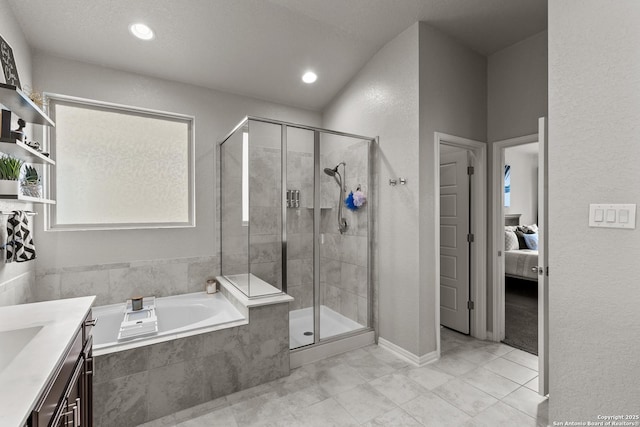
column 537, row 269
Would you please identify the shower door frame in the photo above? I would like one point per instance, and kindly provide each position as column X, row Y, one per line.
column 316, row 219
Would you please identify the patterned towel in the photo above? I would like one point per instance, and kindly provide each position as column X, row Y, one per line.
column 19, row 247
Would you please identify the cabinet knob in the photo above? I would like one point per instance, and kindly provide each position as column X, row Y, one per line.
column 91, row 322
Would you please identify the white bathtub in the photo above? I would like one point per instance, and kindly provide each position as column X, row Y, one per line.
column 178, row 316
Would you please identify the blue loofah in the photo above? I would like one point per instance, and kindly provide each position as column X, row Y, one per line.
column 349, row 202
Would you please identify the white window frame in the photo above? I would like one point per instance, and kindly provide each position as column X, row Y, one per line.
column 50, row 223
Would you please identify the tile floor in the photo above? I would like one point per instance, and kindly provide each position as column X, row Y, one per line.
column 475, row 383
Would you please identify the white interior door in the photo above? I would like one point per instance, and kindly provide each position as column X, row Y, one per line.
column 454, row 246
column 543, row 262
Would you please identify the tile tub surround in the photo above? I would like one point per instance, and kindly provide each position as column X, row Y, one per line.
column 18, row 290
column 136, row 386
column 114, row 283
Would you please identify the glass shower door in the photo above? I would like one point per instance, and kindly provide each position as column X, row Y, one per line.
column 344, row 235
column 300, row 235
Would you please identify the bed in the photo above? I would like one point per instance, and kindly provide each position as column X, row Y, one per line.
column 519, row 264
column 519, row 260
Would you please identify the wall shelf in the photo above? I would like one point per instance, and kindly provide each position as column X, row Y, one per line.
column 22, row 151
column 19, row 103
column 21, row 198
column 15, row 101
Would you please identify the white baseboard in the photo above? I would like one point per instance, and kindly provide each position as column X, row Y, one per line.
column 407, row 355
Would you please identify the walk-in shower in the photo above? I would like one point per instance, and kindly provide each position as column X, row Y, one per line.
column 278, row 231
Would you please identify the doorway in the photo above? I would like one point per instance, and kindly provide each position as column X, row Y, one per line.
column 456, row 173
column 532, row 272
column 520, row 256
column 460, row 239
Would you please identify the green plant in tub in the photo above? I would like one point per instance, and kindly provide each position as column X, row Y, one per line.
column 10, row 168
column 31, row 182
column 31, row 175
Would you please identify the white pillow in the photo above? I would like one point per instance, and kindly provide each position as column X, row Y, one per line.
column 510, row 241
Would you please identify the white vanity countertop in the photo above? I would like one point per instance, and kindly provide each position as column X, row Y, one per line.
column 33, row 340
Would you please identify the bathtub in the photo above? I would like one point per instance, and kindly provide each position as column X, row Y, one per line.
column 178, row 317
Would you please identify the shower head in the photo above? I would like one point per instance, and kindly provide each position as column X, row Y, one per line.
column 334, row 171
column 335, row 174
column 331, row 172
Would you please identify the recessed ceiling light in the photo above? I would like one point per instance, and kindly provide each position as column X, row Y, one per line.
column 141, row 31
column 309, row 77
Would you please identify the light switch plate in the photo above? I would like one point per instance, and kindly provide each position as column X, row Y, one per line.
column 615, row 215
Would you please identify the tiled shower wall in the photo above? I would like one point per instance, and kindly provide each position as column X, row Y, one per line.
column 263, row 235
column 343, row 257
column 235, row 235
column 255, row 247
column 300, row 230
column 265, row 214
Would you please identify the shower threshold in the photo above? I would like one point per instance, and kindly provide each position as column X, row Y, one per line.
column 331, row 323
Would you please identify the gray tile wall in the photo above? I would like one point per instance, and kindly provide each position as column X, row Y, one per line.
column 300, row 230
column 265, row 214
column 18, row 290
column 135, row 386
column 344, row 270
column 114, row 283
column 343, row 257
column 235, row 236
column 257, row 247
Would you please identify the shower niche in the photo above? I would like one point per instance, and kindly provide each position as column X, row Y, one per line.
column 285, row 226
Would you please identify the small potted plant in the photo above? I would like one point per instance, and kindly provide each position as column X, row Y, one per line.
column 31, row 185
column 9, row 175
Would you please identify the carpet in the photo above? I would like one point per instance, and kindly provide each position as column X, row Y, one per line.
column 521, row 314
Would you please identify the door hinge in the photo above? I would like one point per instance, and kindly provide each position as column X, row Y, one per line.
column 470, row 237
column 547, row 271
column 470, row 170
column 470, row 305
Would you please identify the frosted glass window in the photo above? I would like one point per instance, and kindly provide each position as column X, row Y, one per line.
column 119, row 167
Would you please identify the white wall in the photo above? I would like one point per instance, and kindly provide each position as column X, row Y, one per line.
column 517, row 88
column 453, row 93
column 523, row 160
column 516, row 98
column 594, row 118
column 419, row 83
column 215, row 113
column 382, row 100
column 15, row 277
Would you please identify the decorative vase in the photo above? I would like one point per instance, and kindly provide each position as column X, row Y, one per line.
column 31, row 189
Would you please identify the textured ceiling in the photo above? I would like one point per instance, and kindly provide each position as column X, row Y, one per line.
column 260, row 48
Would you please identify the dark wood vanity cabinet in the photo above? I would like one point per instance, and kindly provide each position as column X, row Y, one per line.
column 67, row 400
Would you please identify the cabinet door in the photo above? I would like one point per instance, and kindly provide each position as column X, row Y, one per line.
column 70, row 411
column 87, row 385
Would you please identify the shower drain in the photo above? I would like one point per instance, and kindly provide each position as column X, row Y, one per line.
column 308, row 333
